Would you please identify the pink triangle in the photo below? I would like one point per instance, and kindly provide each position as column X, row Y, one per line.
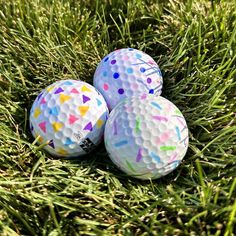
column 85, row 99
column 73, row 119
column 88, row 127
column 43, row 101
column 42, row 126
column 74, row 90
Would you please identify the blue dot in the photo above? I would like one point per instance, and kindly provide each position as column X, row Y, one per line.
column 116, row 75
column 129, row 70
column 142, row 69
column 106, row 59
column 104, row 73
column 151, row 91
column 131, row 49
column 138, row 55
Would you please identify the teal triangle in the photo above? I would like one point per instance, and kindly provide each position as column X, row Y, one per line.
column 99, row 102
column 53, row 111
column 68, row 142
column 68, row 83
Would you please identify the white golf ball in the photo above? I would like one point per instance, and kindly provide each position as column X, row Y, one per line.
column 127, row 72
column 69, row 118
column 146, row 137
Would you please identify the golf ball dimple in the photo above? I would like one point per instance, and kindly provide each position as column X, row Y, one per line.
column 69, row 118
column 146, row 151
column 127, row 72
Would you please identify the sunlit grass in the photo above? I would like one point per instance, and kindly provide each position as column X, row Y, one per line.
column 194, row 44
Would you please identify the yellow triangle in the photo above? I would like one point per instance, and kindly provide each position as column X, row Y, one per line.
column 83, row 110
column 37, row 112
column 99, row 123
column 50, row 88
column 64, row 98
column 57, row 126
column 85, row 89
column 61, row 151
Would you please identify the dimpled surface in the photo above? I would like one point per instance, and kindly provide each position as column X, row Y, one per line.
column 146, row 136
column 127, row 72
column 69, row 117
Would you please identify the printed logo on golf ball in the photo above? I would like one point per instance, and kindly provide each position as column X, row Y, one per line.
column 146, row 136
column 69, row 118
column 127, row 72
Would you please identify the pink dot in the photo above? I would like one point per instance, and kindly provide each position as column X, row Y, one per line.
column 151, row 62
column 105, row 86
column 125, row 58
column 134, row 86
column 144, row 96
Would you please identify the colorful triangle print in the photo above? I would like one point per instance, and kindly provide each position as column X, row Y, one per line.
column 74, row 90
column 88, row 127
column 53, row 111
column 51, row 144
column 99, row 102
column 31, row 127
column 42, row 126
column 68, row 83
column 57, row 126
column 43, row 101
column 83, row 110
column 72, row 119
column 68, row 142
column 100, row 123
column 85, row 89
column 40, row 95
column 37, row 112
column 64, row 98
column 62, row 152
column 50, row 88
column 85, row 99
column 59, row 90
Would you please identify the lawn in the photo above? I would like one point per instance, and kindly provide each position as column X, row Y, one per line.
column 194, row 43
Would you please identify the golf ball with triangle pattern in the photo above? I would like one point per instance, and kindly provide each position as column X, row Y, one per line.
column 146, row 136
column 126, row 72
column 69, row 118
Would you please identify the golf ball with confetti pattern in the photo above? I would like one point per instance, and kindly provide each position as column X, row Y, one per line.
column 146, row 136
column 127, row 72
column 69, row 118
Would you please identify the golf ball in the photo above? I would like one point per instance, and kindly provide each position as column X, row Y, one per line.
column 69, row 118
column 127, row 72
column 146, row 136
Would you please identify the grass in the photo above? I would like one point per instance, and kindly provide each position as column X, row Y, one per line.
column 194, row 43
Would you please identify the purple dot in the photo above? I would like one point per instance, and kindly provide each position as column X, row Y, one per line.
column 142, row 69
column 121, row 91
column 113, row 62
column 151, row 91
column 116, row 75
column 106, row 59
column 149, row 80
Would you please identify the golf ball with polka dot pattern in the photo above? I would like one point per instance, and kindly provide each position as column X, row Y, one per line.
column 69, row 118
column 126, row 72
column 146, row 136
